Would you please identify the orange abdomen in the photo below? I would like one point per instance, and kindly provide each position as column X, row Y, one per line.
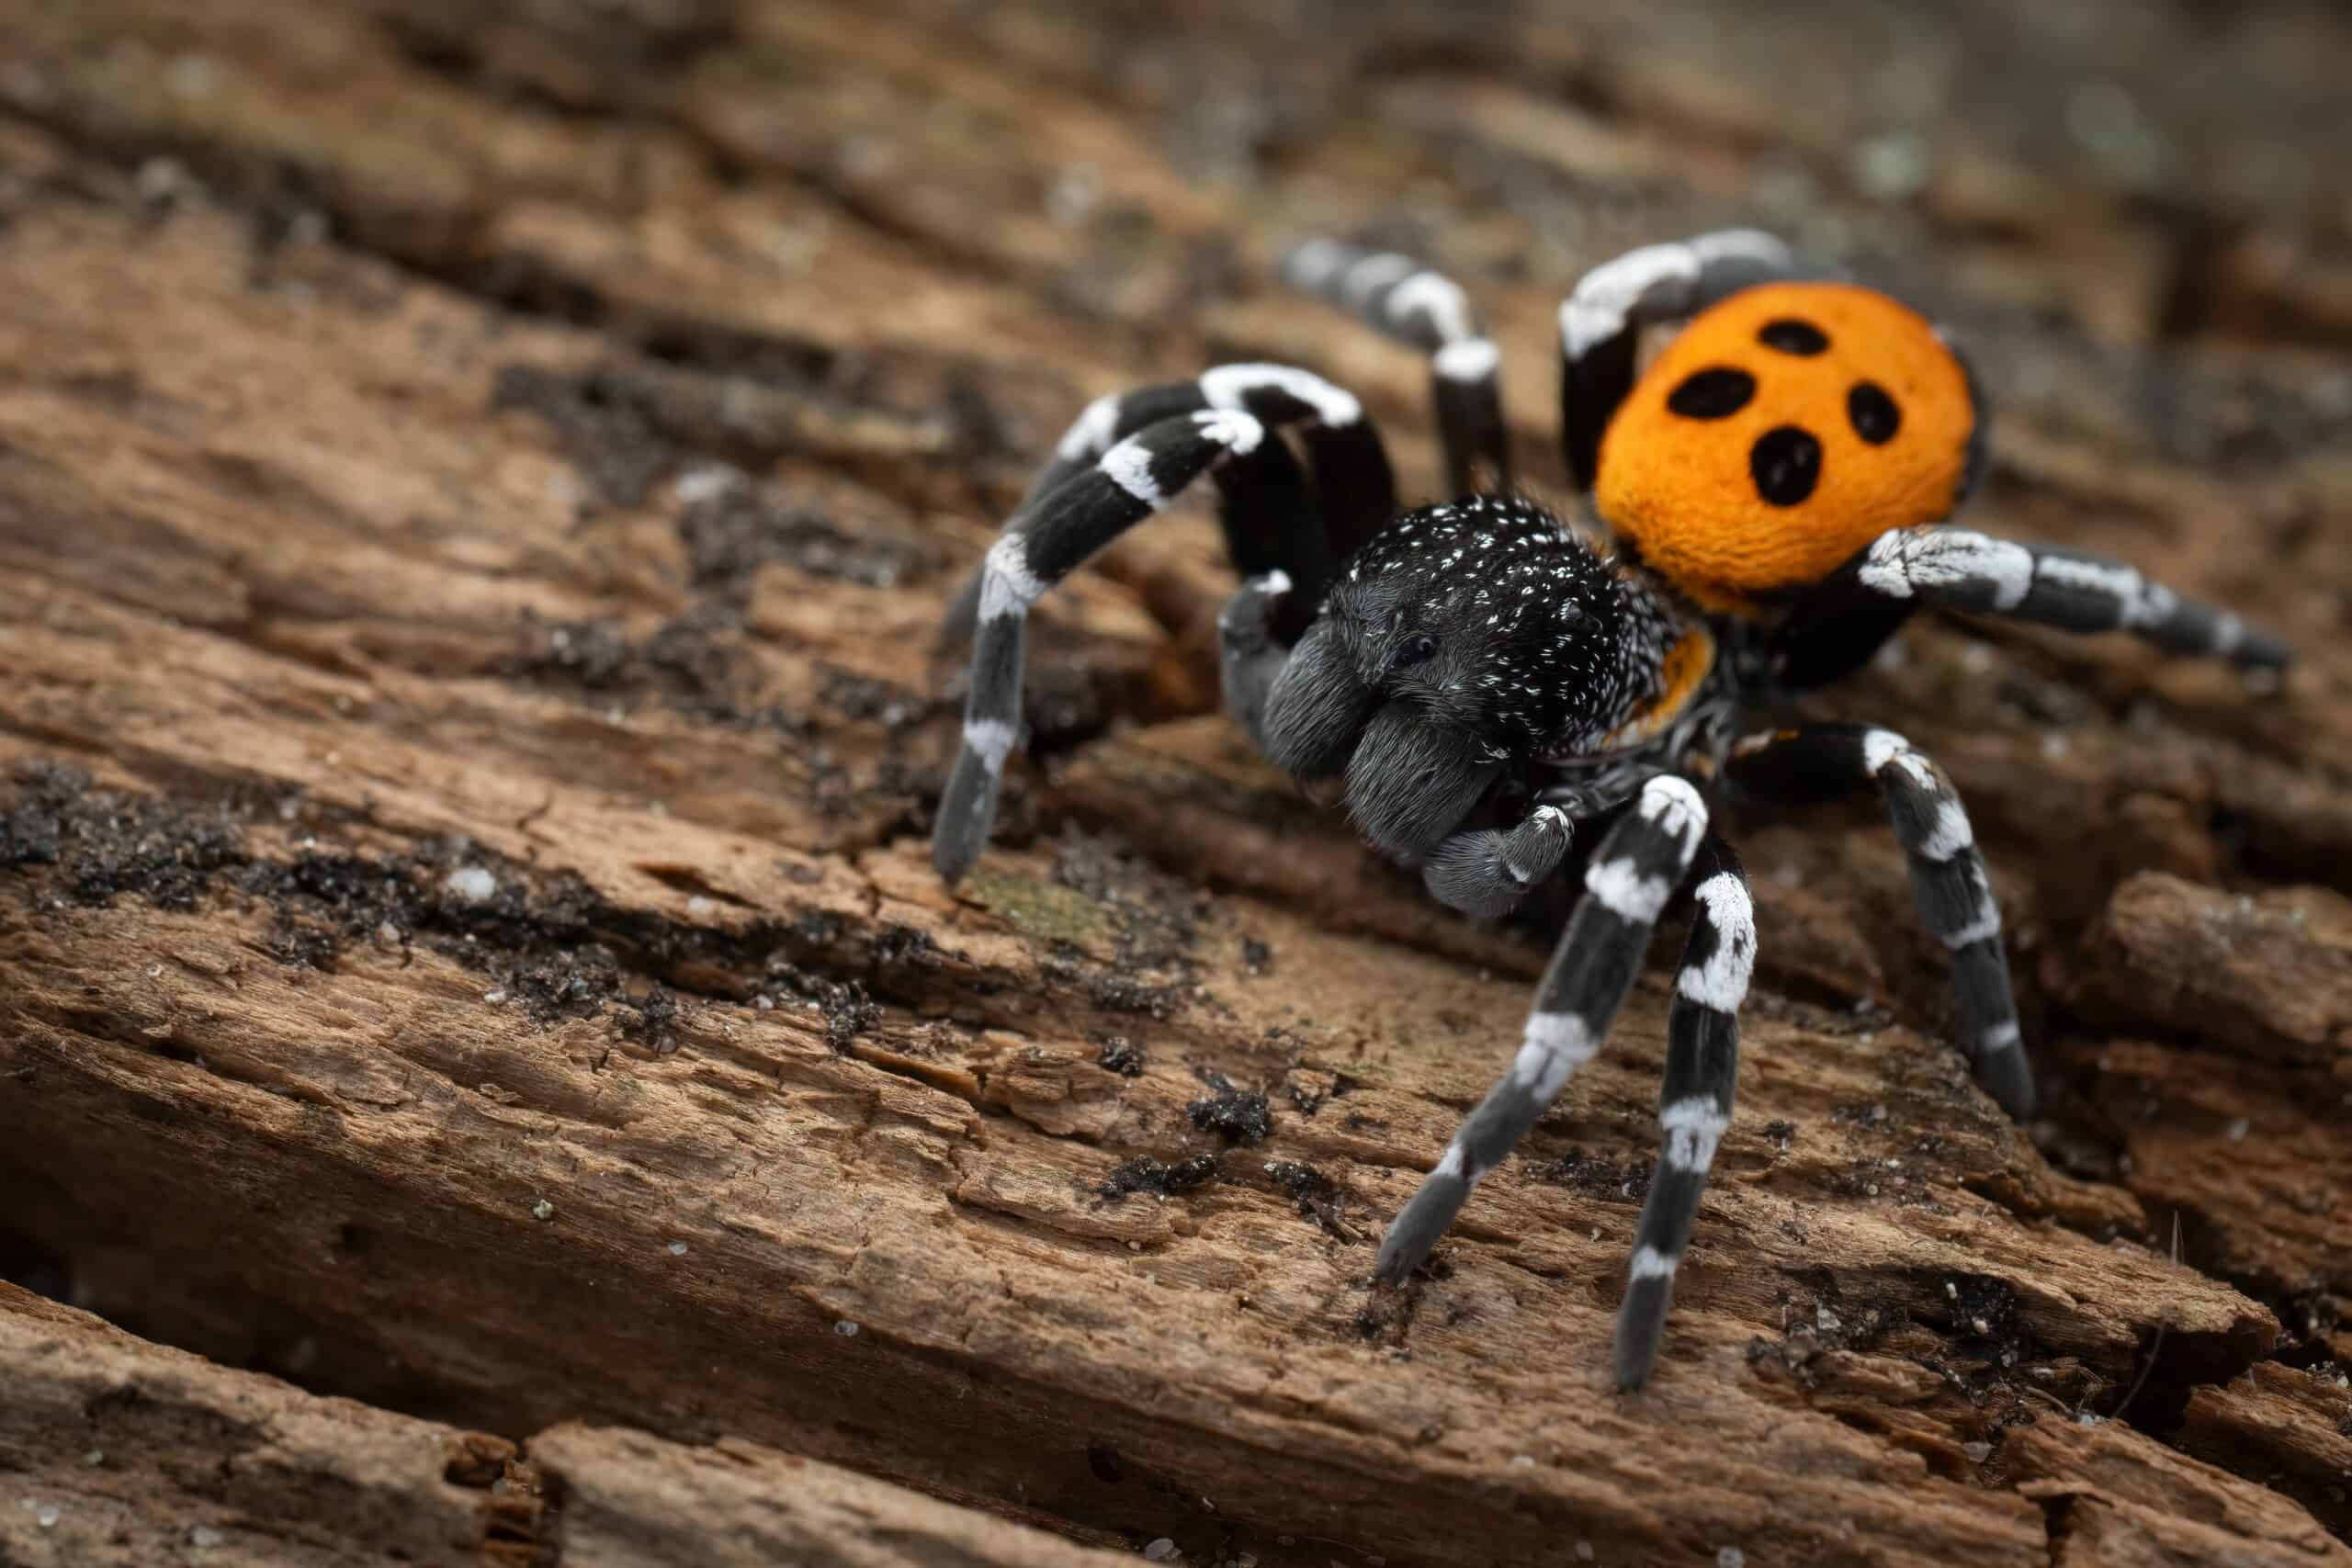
column 1780, row 432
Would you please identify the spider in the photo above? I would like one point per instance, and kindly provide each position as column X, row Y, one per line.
column 1484, row 681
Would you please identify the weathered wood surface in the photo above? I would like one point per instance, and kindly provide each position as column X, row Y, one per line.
column 475, row 491
column 117, row 1451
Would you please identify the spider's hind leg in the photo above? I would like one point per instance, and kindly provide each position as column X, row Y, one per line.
column 1428, row 311
column 1940, row 567
column 1603, row 318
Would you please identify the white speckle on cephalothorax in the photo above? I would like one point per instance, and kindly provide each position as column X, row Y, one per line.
column 846, row 1329
column 1731, row 1557
column 471, row 883
column 204, row 1537
column 677, row 1249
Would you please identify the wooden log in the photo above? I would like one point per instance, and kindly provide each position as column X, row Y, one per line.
column 127, row 1452
column 475, row 497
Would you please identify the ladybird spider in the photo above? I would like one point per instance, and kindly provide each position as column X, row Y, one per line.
column 1481, row 679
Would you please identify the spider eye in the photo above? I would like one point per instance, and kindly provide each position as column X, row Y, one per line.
column 1418, row 649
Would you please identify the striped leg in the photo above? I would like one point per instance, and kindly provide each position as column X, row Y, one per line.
column 1488, row 871
column 1694, row 1106
column 1959, row 569
column 1353, row 493
column 1955, row 898
column 1635, row 870
column 1428, row 311
column 1134, row 479
column 1601, row 322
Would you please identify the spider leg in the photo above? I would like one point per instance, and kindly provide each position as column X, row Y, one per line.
column 1306, row 535
column 1407, row 301
column 1488, row 871
column 1948, row 880
column 1694, row 1105
column 1249, row 655
column 1132, row 479
column 1943, row 568
column 1603, row 318
column 1631, row 877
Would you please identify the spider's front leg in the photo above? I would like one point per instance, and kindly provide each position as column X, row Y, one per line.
column 1126, row 458
column 1645, row 858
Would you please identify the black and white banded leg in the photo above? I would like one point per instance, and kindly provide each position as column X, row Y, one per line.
column 1603, row 318
column 1694, row 1104
column 1409, row 302
column 1946, row 567
column 1488, row 872
column 1631, row 877
column 1948, row 878
column 1321, row 520
column 1132, row 479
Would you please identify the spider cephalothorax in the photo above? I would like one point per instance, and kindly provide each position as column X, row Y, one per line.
column 1459, row 638
column 1775, row 483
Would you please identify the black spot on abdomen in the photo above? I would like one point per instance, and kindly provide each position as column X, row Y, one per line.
column 1716, row 392
column 1791, row 335
column 1785, row 462
column 1876, row 415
